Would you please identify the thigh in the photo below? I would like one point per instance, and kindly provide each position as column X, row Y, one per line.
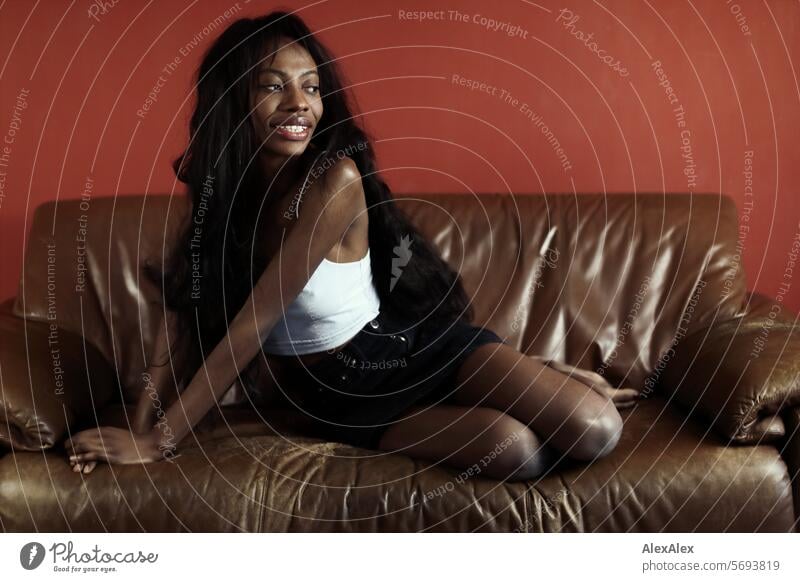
column 463, row 437
column 558, row 408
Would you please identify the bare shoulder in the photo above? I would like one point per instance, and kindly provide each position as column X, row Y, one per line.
column 343, row 176
column 341, row 187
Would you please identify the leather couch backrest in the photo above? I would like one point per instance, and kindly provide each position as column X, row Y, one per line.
column 603, row 282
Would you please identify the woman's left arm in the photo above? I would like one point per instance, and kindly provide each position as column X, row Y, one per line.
column 327, row 211
column 621, row 397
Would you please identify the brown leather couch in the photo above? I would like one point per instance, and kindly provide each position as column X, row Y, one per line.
column 645, row 289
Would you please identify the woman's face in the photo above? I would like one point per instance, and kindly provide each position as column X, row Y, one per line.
column 287, row 103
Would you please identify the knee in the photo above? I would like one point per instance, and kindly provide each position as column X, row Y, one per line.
column 533, row 460
column 517, row 453
column 598, row 435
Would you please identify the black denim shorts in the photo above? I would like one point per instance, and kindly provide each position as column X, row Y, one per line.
column 388, row 366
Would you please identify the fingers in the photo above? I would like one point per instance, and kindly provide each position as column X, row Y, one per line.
column 628, row 392
column 88, row 456
column 595, row 377
column 621, row 393
column 85, row 468
column 621, row 397
column 592, row 379
column 82, row 465
column 84, row 445
column 85, row 462
column 624, row 397
column 85, row 449
column 77, row 446
column 83, row 436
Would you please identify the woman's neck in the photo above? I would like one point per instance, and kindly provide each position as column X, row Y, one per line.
column 283, row 176
column 280, row 174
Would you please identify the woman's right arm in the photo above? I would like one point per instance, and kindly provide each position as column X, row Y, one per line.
column 330, row 209
column 157, row 378
column 155, row 382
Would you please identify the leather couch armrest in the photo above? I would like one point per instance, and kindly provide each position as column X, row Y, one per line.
column 738, row 374
column 791, row 456
column 47, row 383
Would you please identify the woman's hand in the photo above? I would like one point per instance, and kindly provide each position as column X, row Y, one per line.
column 110, row 444
column 621, row 397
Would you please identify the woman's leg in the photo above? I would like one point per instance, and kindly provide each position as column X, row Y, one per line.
column 565, row 413
column 485, row 440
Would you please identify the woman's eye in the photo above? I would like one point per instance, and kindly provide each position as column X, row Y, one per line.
column 313, row 89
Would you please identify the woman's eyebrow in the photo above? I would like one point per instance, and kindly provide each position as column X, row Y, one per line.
column 285, row 75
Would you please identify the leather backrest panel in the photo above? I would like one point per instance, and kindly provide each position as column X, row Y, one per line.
column 604, row 282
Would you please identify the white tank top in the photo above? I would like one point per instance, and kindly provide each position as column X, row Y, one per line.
column 338, row 300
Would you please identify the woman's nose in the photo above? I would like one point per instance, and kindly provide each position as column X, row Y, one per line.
column 294, row 99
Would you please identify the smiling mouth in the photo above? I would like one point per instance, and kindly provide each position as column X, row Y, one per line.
column 292, row 128
column 292, row 132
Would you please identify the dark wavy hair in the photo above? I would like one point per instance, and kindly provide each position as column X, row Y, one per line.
column 227, row 192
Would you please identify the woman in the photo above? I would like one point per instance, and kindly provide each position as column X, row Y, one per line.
column 297, row 270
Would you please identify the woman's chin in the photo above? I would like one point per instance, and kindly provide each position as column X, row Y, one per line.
column 289, row 148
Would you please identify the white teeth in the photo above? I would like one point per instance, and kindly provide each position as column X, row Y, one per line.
column 293, row 128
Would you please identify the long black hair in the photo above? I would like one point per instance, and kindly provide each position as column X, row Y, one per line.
column 211, row 270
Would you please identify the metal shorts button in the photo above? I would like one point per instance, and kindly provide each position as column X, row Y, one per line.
column 374, row 324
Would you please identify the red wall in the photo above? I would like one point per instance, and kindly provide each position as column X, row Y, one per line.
column 86, row 77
